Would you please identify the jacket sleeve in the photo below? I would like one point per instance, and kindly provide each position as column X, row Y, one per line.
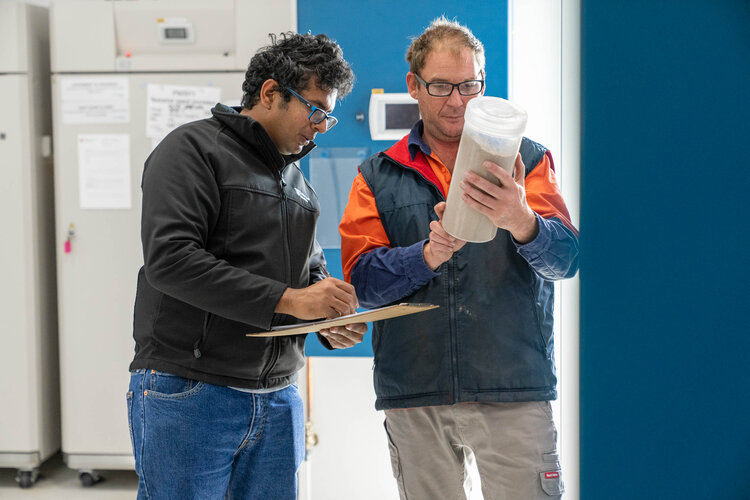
column 181, row 205
column 380, row 274
column 553, row 254
column 317, row 264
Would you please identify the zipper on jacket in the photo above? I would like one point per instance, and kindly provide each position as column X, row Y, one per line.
column 275, row 351
column 285, row 230
column 199, row 343
column 451, row 290
column 453, row 327
column 275, row 348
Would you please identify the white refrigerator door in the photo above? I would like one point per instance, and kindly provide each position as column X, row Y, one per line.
column 18, row 360
column 97, row 267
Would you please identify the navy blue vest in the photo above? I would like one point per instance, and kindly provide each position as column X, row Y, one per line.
column 491, row 339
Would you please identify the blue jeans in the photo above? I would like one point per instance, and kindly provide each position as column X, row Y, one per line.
column 194, row 440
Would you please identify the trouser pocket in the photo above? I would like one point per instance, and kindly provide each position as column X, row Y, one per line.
column 551, row 476
column 552, row 483
column 163, row 385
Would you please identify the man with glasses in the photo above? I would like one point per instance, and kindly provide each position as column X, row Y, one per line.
column 228, row 231
column 471, row 380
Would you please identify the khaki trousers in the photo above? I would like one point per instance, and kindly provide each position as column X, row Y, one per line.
column 514, row 445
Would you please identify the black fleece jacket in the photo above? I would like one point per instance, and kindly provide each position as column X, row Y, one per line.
column 228, row 223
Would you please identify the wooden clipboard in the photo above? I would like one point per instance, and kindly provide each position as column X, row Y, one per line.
column 361, row 317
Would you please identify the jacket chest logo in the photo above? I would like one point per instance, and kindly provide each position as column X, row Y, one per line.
column 302, row 195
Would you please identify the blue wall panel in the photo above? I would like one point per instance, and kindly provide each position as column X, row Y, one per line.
column 374, row 37
column 665, row 336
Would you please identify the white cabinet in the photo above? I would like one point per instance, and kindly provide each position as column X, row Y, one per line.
column 100, row 89
column 29, row 387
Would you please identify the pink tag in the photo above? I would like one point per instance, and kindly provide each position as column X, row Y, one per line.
column 67, row 246
column 551, row 475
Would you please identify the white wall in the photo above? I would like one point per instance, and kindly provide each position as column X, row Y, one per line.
column 351, row 459
column 544, row 66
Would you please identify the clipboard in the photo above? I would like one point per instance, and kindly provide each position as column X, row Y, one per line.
column 386, row 312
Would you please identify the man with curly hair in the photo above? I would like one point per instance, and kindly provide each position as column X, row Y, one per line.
column 228, row 232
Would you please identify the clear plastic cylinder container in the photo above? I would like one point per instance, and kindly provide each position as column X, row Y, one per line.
column 493, row 129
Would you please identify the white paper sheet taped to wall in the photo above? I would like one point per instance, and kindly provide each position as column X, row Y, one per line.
column 104, row 171
column 169, row 106
column 96, row 99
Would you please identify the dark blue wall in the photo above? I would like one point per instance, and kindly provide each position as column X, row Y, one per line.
column 374, row 37
column 665, row 336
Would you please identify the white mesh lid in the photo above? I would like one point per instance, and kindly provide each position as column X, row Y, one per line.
column 495, row 116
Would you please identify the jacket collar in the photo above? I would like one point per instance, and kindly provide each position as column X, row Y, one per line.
column 253, row 133
column 415, row 141
column 411, row 151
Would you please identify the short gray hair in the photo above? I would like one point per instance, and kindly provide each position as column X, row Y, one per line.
column 442, row 30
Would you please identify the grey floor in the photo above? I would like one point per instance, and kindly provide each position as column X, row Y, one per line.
column 58, row 482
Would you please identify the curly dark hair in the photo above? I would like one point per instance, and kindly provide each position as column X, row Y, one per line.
column 292, row 60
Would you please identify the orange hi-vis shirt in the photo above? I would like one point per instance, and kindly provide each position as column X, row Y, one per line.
column 361, row 229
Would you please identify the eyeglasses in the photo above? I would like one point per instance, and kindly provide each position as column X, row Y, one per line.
column 444, row 89
column 316, row 115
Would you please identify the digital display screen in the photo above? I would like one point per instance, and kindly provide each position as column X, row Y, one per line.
column 401, row 116
column 175, row 33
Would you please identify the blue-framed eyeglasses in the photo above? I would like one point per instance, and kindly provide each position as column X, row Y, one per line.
column 316, row 115
column 444, row 89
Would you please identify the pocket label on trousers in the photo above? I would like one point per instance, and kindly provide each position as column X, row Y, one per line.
column 552, row 483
